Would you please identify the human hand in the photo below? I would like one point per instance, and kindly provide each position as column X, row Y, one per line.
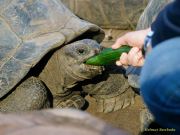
column 136, row 40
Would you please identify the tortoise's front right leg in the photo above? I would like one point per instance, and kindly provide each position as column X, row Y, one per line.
column 29, row 95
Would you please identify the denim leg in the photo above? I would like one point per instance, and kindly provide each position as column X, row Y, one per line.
column 160, row 83
column 133, row 74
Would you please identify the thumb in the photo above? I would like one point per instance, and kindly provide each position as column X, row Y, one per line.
column 119, row 42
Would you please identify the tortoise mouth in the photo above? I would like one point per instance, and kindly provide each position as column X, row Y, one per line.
column 86, row 72
column 90, row 71
column 92, row 68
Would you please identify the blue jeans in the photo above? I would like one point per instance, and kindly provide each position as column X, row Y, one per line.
column 133, row 74
column 160, row 83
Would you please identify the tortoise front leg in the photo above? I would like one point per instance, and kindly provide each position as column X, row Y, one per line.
column 29, row 95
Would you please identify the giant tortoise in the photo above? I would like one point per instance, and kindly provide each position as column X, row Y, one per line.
column 31, row 31
column 43, row 50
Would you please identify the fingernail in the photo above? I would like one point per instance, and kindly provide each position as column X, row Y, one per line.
column 118, row 63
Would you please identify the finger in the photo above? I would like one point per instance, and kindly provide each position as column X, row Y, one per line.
column 118, row 63
column 132, row 55
column 119, row 42
column 141, row 62
column 140, row 54
column 141, row 58
column 124, row 59
column 135, row 61
column 138, row 59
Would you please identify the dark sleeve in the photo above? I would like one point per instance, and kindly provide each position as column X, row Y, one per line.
column 167, row 24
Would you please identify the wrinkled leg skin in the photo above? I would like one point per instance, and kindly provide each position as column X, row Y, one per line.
column 111, row 90
column 29, row 95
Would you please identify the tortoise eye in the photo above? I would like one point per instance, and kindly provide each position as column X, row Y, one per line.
column 81, row 51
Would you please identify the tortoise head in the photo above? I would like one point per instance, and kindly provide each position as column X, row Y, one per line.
column 66, row 66
column 76, row 54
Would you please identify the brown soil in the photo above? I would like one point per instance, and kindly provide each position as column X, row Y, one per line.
column 127, row 119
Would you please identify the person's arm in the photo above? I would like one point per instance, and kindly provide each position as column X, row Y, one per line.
column 167, row 24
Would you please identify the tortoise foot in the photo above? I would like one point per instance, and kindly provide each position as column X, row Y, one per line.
column 121, row 101
column 75, row 101
column 29, row 95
